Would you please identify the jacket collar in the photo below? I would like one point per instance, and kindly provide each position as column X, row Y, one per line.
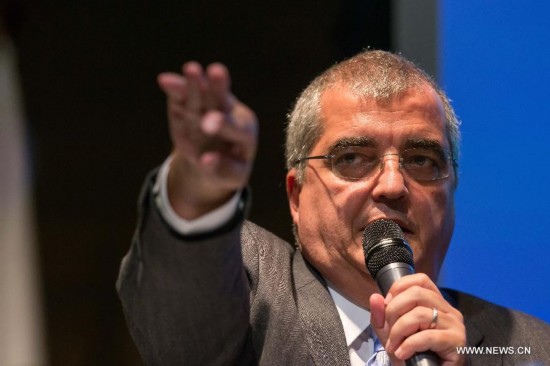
column 319, row 316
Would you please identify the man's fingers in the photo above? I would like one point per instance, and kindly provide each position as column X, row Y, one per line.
column 218, row 95
column 198, row 90
column 173, row 85
column 417, row 297
column 416, row 320
column 196, row 86
column 412, row 298
column 216, row 124
column 418, row 279
column 443, row 343
column 409, row 313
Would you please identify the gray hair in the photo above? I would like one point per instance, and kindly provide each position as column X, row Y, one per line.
column 377, row 75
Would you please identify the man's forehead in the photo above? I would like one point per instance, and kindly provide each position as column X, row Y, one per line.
column 417, row 115
column 342, row 104
column 420, row 97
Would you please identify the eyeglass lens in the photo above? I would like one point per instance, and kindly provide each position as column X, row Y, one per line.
column 357, row 162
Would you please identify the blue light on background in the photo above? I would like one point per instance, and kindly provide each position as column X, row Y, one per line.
column 495, row 66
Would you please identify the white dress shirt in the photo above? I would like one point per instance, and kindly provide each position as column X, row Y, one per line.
column 355, row 321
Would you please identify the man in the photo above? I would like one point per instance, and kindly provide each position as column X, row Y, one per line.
column 372, row 137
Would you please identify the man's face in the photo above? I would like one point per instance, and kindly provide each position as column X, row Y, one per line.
column 331, row 213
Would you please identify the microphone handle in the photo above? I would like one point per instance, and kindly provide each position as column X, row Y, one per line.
column 390, row 273
column 385, row 278
column 428, row 358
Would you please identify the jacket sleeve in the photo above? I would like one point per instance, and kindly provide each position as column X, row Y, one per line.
column 186, row 298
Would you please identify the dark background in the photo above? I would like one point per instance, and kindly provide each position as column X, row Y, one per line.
column 97, row 125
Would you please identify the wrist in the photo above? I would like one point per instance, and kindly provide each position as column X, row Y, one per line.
column 191, row 195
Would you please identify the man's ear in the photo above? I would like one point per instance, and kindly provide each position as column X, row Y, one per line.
column 293, row 189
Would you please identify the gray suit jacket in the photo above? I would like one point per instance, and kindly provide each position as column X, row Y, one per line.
column 242, row 296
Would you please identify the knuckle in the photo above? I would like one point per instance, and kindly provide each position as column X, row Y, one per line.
column 458, row 315
column 424, row 279
column 437, row 337
column 397, row 288
column 417, row 291
column 419, row 314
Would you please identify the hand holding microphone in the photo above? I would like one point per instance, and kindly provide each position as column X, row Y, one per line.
column 413, row 321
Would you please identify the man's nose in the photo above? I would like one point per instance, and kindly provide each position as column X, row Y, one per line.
column 390, row 182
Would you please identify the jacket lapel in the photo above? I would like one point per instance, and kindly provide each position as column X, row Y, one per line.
column 473, row 334
column 319, row 317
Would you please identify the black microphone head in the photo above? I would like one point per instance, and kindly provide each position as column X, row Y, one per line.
column 384, row 243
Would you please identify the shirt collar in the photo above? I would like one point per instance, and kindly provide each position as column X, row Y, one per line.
column 355, row 319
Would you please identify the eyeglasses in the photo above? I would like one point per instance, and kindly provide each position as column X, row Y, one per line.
column 360, row 162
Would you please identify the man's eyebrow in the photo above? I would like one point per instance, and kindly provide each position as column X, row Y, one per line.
column 362, row 141
column 423, row 143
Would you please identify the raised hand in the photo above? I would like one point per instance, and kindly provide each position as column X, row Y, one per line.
column 214, row 139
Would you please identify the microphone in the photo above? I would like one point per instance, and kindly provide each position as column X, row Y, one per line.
column 389, row 257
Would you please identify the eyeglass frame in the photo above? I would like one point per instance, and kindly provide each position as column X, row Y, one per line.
column 448, row 157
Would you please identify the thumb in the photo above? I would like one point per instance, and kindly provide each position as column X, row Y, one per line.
column 378, row 317
column 380, row 326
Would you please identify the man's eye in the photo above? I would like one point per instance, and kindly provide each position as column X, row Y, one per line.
column 349, row 158
column 424, row 160
column 420, row 161
column 353, row 159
